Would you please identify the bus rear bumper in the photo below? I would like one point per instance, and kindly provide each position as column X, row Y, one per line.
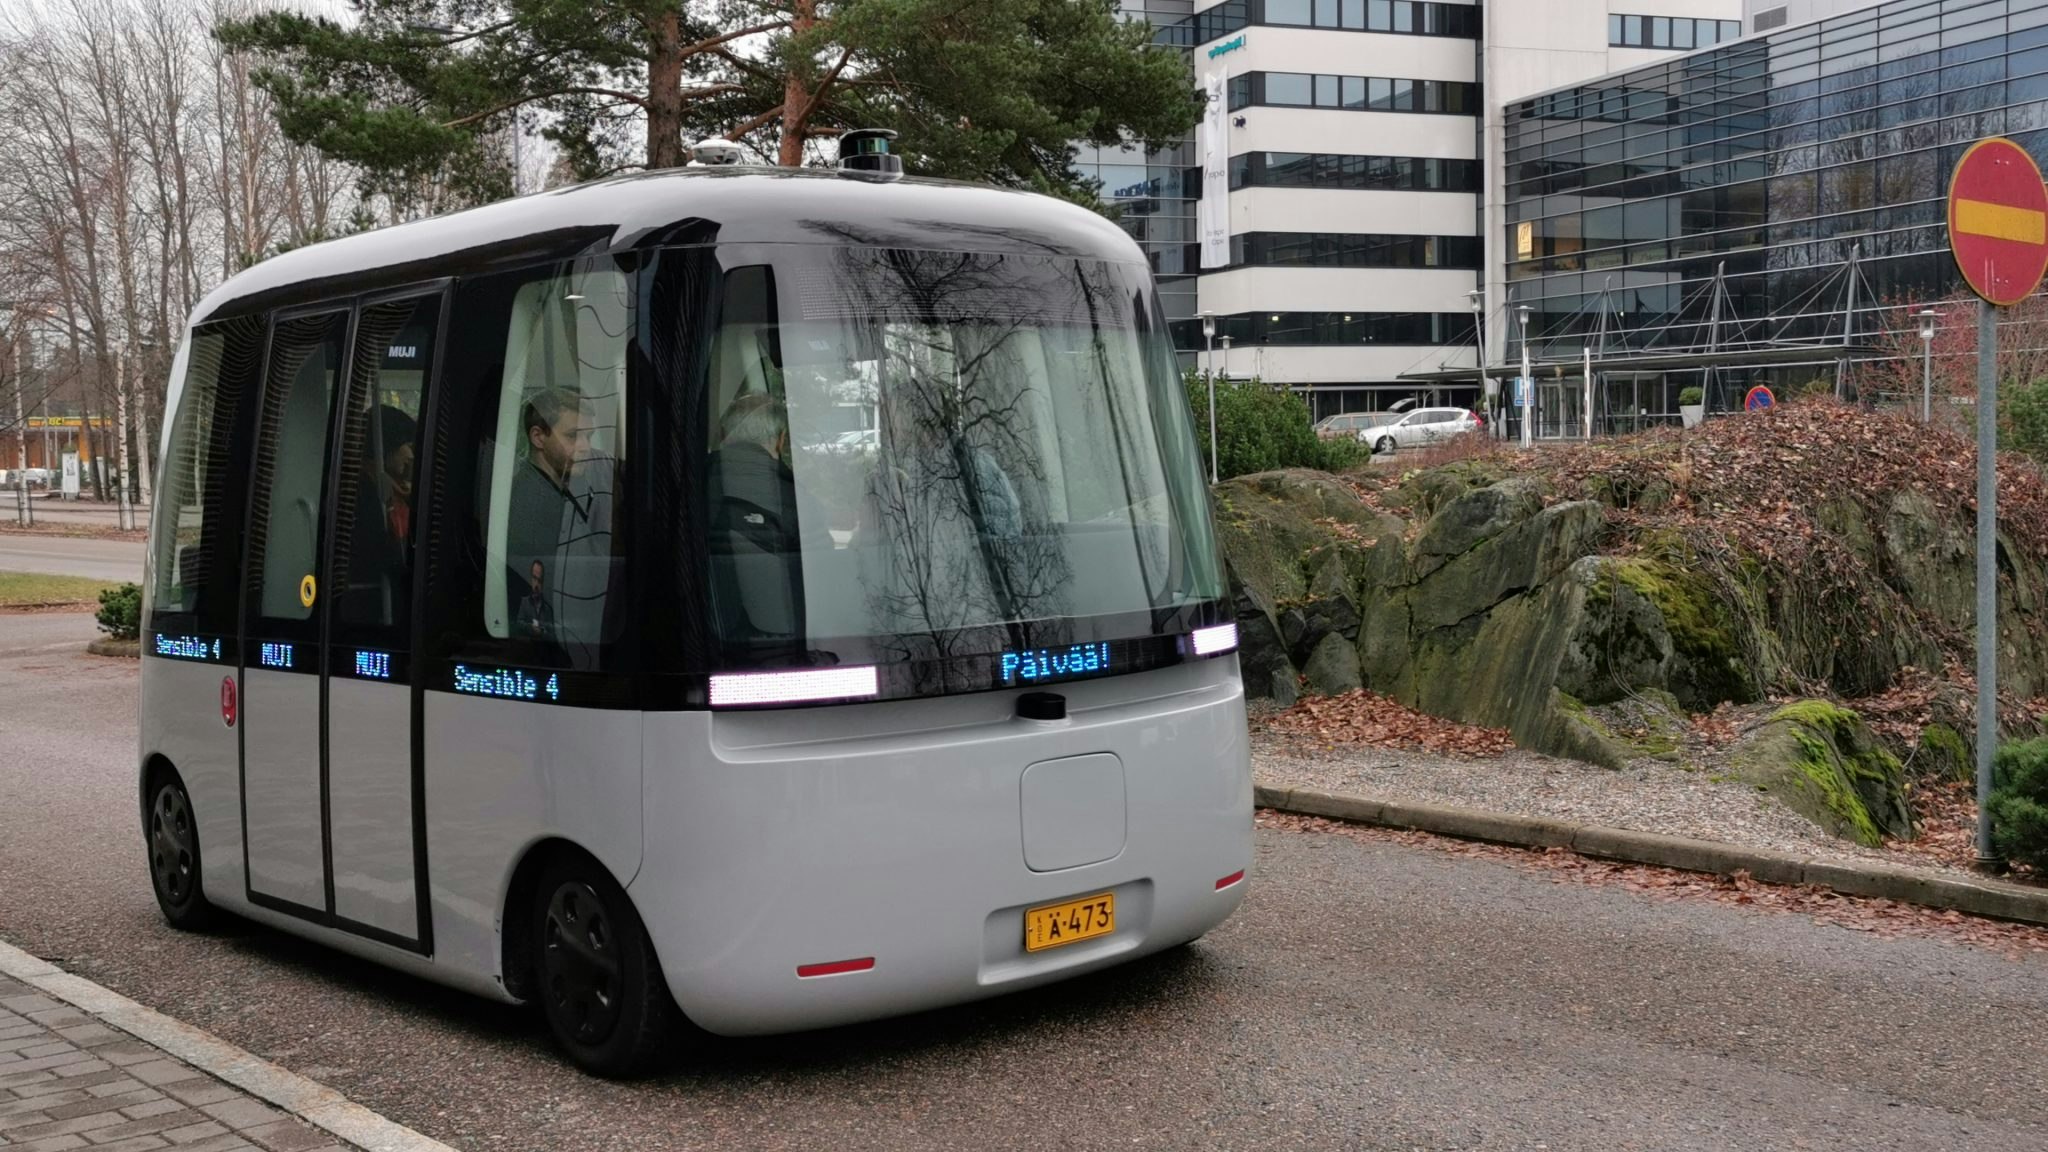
column 813, row 868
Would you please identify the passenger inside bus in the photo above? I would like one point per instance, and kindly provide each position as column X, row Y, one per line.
column 396, row 472
column 379, row 578
column 757, row 538
column 543, row 507
column 535, row 618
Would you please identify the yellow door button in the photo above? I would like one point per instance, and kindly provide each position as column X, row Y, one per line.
column 307, row 590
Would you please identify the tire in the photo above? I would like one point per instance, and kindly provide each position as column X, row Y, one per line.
column 170, row 835
column 595, row 972
column 1385, row 446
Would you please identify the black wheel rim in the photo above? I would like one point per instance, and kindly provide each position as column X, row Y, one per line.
column 580, row 963
column 173, row 844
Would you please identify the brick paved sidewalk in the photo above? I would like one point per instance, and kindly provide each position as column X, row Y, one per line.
column 68, row 1081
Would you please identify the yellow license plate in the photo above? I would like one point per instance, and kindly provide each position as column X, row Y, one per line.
column 1069, row 923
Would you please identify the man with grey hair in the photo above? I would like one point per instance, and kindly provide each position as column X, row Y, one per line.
column 756, row 537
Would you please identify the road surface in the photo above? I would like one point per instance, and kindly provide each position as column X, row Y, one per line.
column 114, row 560
column 1369, row 995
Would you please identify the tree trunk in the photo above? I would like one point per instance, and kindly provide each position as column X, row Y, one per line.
column 665, row 93
column 796, row 94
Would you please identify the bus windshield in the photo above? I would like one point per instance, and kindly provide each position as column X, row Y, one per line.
column 923, row 456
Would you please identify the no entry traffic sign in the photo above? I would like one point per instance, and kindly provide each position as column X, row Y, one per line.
column 1998, row 221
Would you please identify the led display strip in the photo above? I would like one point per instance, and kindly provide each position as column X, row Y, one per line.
column 187, row 647
column 1041, row 665
column 1213, row 641
column 739, row 689
column 505, row 684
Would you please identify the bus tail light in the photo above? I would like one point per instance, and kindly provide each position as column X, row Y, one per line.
column 739, row 689
column 1210, row 641
column 835, row 968
column 1236, row 877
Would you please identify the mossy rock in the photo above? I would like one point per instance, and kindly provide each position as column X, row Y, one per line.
column 1473, row 517
column 1649, row 724
column 1822, row 761
column 1941, row 752
column 1707, row 663
column 1574, row 731
column 1333, row 667
column 1525, row 554
column 1621, row 644
column 1428, row 491
column 1276, row 532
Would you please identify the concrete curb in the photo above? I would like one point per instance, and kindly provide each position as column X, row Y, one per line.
column 312, row 1102
column 1992, row 898
column 108, row 646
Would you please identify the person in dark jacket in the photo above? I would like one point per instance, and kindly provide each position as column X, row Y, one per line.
column 753, row 490
column 757, row 537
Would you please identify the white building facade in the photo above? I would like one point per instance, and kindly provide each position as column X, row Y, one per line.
column 1363, row 145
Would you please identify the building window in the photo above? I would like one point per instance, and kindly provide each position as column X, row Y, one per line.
column 1370, row 93
column 1676, row 32
column 1352, row 250
column 1331, row 329
column 1405, row 17
column 1375, row 173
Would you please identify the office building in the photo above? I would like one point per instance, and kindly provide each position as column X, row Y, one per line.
column 1360, row 143
column 1758, row 212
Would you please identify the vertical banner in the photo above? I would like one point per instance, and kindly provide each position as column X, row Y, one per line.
column 1212, row 213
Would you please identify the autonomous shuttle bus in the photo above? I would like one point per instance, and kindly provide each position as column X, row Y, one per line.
column 757, row 599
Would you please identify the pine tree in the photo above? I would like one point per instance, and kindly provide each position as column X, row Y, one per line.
column 422, row 93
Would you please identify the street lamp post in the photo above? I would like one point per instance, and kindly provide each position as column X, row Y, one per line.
column 1927, row 316
column 1528, row 409
column 1478, row 298
column 1209, row 370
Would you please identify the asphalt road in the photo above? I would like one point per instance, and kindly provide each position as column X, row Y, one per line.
column 53, row 510
column 1367, row 996
column 71, row 556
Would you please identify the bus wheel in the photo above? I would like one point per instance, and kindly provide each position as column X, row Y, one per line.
column 174, row 855
column 595, row 972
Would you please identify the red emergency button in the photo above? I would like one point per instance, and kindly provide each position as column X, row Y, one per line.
column 227, row 701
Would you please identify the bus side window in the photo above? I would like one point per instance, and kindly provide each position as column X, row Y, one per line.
column 531, row 439
column 291, row 456
column 195, row 568
column 379, row 449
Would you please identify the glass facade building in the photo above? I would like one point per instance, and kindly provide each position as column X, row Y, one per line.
column 1154, row 194
column 1777, row 161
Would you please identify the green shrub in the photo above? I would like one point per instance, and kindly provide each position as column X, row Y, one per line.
column 2019, row 803
column 2026, row 418
column 1690, row 396
column 1343, row 454
column 120, row 613
column 1260, row 427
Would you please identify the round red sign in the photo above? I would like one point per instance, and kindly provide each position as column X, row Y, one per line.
column 227, row 701
column 1998, row 220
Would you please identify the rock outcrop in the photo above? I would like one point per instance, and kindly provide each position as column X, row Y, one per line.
column 1822, row 761
column 1494, row 600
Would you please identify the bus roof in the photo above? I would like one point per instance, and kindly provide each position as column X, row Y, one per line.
column 670, row 207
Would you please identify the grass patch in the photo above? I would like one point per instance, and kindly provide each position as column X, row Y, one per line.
column 35, row 590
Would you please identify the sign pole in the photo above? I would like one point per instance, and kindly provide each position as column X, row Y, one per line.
column 1998, row 233
column 1987, row 569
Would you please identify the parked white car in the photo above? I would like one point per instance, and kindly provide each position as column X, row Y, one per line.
column 1352, row 425
column 1422, row 426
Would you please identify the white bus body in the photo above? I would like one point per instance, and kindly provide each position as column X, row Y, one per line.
column 690, row 714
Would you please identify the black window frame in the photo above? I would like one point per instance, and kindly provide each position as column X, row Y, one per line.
column 215, row 613
column 453, row 561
